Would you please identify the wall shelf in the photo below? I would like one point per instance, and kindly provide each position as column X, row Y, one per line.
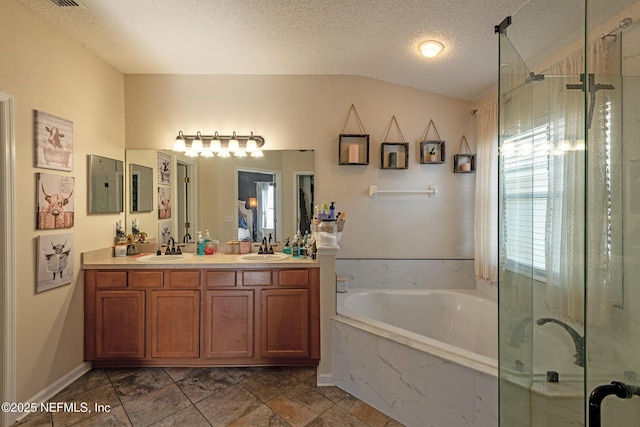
column 394, row 155
column 353, row 149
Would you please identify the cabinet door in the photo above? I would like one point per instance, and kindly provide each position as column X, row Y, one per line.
column 119, row 324
column 285, row 323
column 175, row 319
column 229, row 320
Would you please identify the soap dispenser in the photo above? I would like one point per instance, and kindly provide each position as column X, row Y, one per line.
column 332, row 211
column 200, row 250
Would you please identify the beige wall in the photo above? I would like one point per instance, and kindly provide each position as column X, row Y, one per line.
column 309, row 112
column 43, row 70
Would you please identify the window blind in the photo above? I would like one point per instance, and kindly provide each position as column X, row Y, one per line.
column 525, row 189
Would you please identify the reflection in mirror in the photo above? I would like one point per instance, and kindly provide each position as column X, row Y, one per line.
column 106, row 186
column 305, row 201
column 257, row 205
column 141, row 188
column 208, row 189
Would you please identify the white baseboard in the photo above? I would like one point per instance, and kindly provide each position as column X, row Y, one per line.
column 325, row 380
column 57, row 386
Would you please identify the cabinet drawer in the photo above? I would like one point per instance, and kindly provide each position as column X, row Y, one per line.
column 145, row 279
column 111, row 279
column 219, row 279
column 293, row 278
column 257, row 278
column 183, row 279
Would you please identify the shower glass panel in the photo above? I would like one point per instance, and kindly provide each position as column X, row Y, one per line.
column 569, row 230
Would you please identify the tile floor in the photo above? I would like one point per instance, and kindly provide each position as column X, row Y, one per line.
column 194, row 397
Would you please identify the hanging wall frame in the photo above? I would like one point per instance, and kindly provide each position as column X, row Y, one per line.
column 353, row 148
column 432, row 151
column 394, row 155
column 464, row 162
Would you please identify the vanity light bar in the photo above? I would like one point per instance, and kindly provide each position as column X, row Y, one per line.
column 207, row 145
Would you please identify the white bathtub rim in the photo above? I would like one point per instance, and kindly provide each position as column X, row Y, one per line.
column 443, row 351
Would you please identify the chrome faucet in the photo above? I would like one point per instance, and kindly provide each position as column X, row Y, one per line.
column 171, row 246
column 578, row 340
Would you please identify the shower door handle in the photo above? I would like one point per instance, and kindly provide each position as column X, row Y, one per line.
column 598, row 394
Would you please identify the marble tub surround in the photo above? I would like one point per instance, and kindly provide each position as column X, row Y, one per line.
column 413, row 387
column 408, row 273
column 286, row 397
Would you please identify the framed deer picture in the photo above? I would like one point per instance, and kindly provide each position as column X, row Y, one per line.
column 53, row 142
column 55, row 261
column 55, row 204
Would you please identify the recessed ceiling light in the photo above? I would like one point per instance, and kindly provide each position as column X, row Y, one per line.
column 430, row 48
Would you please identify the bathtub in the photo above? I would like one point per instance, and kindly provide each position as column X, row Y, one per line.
column 423, row 357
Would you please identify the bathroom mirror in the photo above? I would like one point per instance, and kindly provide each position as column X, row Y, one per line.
column 106, row 185
column 140, row 188
column 205, row 193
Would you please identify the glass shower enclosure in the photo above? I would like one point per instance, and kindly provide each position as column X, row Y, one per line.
column 569, row 214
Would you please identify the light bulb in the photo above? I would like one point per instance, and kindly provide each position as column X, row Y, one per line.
column 179, row 144
column 240, row 153
column 252, row 145
column 430, row 48
column 257, row 153
column 234, row 145
column 215, row 143
column 224, row 153
column 196, row 145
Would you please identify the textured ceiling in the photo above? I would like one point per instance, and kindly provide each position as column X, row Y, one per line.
column 372, row 38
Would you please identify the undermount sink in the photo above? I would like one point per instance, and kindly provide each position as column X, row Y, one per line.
column 262, row 257
column 161, row 259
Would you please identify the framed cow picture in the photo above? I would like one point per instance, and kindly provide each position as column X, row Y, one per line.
column 53, row 142
column 55, row 261
column 55, row 201
column 164, row 168
column 164, row 202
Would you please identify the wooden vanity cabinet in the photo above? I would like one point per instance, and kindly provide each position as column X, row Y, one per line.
column 209, row 317
column 120, row 324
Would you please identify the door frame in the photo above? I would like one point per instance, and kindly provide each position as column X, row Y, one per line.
column 7, row 258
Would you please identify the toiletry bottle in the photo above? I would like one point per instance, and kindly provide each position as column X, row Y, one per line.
column 200, row 244
column 332, row 211
column 294, row 249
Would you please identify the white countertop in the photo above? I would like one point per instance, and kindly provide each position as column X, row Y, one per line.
column 102, row 259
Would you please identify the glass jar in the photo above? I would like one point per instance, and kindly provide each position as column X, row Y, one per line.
column 210, row 247
column 327, row 233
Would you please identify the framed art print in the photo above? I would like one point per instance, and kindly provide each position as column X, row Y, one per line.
column 164, row 168
column 53, row 142
column 54, row 261
column 55, row 201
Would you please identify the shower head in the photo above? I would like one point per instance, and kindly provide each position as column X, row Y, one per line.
column 623, row 24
